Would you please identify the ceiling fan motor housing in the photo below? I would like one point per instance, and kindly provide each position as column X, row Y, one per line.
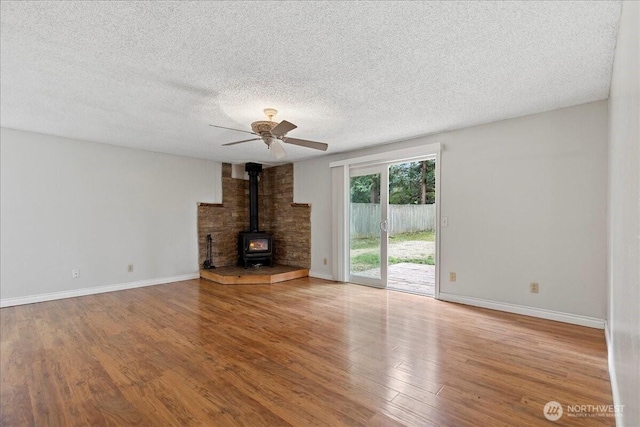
column 263, row 127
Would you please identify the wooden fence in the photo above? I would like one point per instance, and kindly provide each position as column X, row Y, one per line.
column 365, row 219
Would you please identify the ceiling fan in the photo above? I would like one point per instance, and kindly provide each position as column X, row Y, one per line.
column 273, row 134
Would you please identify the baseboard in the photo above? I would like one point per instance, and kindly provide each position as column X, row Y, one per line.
column 558, row 316
column 9, row 302
column 613, row 378
column 320, row 275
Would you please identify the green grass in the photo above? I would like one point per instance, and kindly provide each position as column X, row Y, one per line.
column 367, row 261
column 373, row 242
column 365, row 243
column 428, row 260
column 418, row 235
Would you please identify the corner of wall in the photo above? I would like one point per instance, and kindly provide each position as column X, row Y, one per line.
column 288, row 222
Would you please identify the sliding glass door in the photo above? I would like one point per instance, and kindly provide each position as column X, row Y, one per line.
column 392, row 226
column 368, row 219
column 386, row 219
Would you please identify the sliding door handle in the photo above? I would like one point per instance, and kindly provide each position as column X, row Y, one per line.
column 383, row 225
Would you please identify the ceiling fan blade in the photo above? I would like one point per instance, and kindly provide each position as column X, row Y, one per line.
column 282, row 128
column 305, row 143
column 240, row 142
column 239, row 130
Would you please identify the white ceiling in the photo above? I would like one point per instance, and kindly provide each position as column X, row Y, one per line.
column 153, row 75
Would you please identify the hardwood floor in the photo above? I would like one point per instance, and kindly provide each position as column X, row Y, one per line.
column 304, row 352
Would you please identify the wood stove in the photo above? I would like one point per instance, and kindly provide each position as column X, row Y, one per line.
column 255, row 247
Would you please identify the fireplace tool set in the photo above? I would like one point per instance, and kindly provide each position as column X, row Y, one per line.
column 208, row 264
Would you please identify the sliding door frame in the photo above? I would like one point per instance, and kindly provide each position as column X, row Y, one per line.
column 341, row 200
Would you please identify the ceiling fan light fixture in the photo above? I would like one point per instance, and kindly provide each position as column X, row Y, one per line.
column 268, row 140
column 276, row 149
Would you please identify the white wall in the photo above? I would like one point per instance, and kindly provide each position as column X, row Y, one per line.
column 312, row 184
column 526, row 201
column 623, row 319
column 68, row 204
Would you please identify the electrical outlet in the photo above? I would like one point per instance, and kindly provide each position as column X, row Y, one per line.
column 452, row 276
column 75, row 274
column 533, row 287
column 130, row 268
column 325, row 261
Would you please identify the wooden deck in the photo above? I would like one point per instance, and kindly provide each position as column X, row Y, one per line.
column 305, row 352
column 415, row 278
column 407, row 277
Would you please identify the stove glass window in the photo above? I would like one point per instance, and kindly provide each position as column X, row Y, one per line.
column 258, row 245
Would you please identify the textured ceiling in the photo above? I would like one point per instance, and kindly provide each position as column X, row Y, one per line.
column 153, row 75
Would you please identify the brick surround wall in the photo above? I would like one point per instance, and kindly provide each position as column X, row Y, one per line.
column 224, row 221
column 288, row 222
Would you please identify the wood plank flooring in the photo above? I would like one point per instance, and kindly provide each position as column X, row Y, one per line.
column 302, row 353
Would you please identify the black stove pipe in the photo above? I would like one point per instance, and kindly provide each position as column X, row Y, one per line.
column 254, row 170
